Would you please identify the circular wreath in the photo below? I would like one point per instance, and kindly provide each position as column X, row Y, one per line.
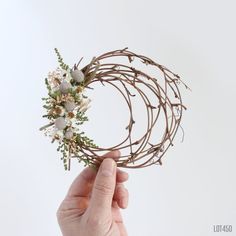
column 66, row 107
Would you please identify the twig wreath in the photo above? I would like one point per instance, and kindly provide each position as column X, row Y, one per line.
column 66, row 106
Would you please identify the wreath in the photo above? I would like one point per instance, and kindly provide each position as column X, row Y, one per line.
column 66, row 106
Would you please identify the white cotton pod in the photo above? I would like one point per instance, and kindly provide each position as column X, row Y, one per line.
column 60, row 123
column 64, row 87
column 69, row 134
column 77, row 75
column 70, row 106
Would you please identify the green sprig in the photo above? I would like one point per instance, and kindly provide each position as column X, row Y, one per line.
column 60, row 60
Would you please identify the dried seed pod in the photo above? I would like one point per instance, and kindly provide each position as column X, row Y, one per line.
column 64, row 87
column 69, row 106
column 69, row 134
column 60, row 123
column 77, row 75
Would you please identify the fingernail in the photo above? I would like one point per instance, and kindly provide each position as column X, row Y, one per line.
column 124, row 202
column 124, row 173
column 108, row 166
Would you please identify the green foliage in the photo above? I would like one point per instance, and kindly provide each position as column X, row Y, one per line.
column 83, row 158
column 48, row 85
column 60, row 60
column 81, row 117
column 47, row 107
column 55, row 94
column 50, row 117
column 80, row 141
column 83, row 140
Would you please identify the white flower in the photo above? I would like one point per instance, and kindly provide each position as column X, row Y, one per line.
column 59, row 110
column 56, row 134
column 70, row 121
column 59, row 134
column 54, row 74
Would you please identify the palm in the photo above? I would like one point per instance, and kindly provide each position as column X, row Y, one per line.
column 77, row 212
column 80, row 206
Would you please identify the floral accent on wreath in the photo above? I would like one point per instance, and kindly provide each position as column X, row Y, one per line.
column 66, row 106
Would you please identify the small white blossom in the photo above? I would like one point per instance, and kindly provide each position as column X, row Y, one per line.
column 59, row 110
column 55, row 133
column 70, row 121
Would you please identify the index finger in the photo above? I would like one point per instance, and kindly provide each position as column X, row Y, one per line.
column 82, row 185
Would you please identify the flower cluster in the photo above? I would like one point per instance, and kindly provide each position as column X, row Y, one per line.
column 66, row 106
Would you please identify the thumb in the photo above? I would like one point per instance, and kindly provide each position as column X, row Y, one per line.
column 103, row 188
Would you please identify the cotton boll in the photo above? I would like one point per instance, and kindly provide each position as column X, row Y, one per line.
column 64, row 87
column 70, row 106
column 77, row 75
column 60, row 123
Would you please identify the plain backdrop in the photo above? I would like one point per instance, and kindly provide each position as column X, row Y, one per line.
column 195, row 187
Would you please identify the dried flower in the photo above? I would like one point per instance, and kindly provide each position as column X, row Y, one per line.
column 71, row 115
column 84, row 103
column 77, row 75
column 64, row 87
column 70, row 106
column 69, row 134
column 60, row 123
column 59, row 110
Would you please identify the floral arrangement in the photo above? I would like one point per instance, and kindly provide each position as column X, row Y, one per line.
column 66, row 106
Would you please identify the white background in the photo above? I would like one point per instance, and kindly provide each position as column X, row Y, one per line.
column 195, row 188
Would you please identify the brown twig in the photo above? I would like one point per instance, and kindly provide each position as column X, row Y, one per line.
column 142, row 153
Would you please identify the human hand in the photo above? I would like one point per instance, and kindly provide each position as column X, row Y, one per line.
column 92, row 204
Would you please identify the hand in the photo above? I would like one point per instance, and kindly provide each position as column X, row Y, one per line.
column 92, row 204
